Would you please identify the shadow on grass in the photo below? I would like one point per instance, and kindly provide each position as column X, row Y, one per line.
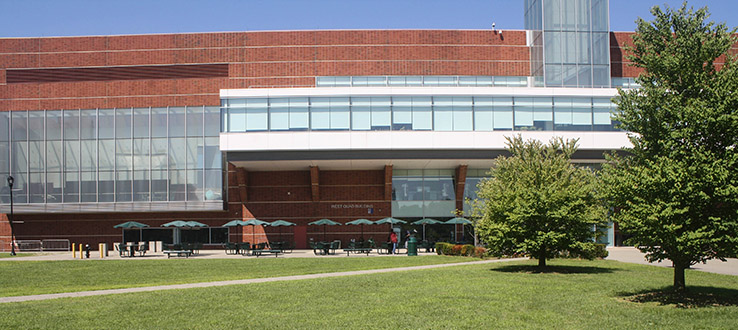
column 552, row 269
column 693, row 297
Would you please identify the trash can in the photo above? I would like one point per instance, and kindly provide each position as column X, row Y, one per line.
column 412, row 246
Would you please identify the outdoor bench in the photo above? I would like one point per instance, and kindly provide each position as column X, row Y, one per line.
column 178, row 253
column 258, row 252
column 357, row 250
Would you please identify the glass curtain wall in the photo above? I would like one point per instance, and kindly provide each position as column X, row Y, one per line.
column 423, row 193
column 575, row 41
column 119, row 155
column 416, row 113
column 420, row 81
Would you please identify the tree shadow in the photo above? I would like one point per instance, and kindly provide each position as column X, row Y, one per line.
column 693, row 297
column 552, row 269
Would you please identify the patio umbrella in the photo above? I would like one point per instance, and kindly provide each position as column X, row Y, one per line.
column 132, row 225
column 324, row 222
column 280, row 224
column 426, row 221
column 392, row 221
column 195, row 224
column 457, row 221
column 361, row 222
column 176, row 223
column 254, row 222
column 234, row 223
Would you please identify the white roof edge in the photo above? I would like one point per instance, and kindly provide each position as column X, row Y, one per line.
column 377, row 91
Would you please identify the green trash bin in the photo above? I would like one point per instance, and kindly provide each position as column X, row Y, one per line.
column 412, row 246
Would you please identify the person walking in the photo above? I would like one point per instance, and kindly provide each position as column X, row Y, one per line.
column 393, row 240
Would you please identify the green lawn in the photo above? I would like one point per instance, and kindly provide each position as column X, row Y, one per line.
column 38, row 277
column 17, row 254
column 575, row 295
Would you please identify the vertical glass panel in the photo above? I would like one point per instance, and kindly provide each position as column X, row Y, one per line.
column 54, row 185
column 462, row 113
column 4, row 126
column 71, row 125
column 361, row 117
column 568, row 15
column 36, row 185
column 279, row 118
column 177, row 185
column 123, row 123
column 176, row 121
column 422, row 109
column 71, row 187
column 381, row 113
column 402, row 116
column 177, row 153
column 553, row 75
column 443, row 114
column 4, row 160
column 141, row 186
column 19, row 151
column 339, row 114
column 569, row 47
column 256, row 115
column 396, row 81
column 20, row 187
column 601, row 114
column 585, row 76
column 87, row 154
column 194, row 157
column 213, row 185
column 359, row 81
column 468, row 81
column 601, row 76
column 140, row 122
column 159, row 153
column 583, row 15
column 562, row 113
column 483, row 114
column 551, row 14
column 123, row 186
column 88, row 187
column 552, row 47
column 543, row 113
column 195, row 183
column 376, row 81
column 54, row 156
column 141, row 149
column 584, row 48
column 212, row 153
column 195, row 121
column 88, row 124
column 159, row 122
column 36, row 153
column 320, row 113
column 35, row 125
column 106, row 155
column 106, row 123
column 299, row 115
column 212, row 121
column 159, row 185
column 523, row 113
column 600, row 48
column 20, row 125
column 582, row 113
column 123, row 155
column 503, row 115
column 236, row 120
column 600, row 16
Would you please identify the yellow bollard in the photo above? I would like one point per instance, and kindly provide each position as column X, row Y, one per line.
column 81, row 256
column 100, row 247
column 74, row 252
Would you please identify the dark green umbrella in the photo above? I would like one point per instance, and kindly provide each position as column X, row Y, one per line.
column 234, row 223
column 390, row 220
column 324, row 222
column 254, row 222
column 361, row 222
column 132, row 225
column 458, row 221
column 280, row 224
column 176, row 223
column 195, row 224
column 426, row 221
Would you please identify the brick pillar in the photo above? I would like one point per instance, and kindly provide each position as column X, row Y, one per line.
column 460, row 184
column 243, row 180
column 315, row 183
column 388, row 182
column 5, row 237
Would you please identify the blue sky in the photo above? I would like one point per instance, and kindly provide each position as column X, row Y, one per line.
column 44, row 18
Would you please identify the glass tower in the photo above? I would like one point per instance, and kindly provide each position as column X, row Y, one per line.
column 569, row 42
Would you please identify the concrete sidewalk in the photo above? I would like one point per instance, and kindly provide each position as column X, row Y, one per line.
column 240, row 282
column 632, row 255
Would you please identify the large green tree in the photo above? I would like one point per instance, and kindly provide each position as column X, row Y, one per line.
column 537, row 202
column 676, row 190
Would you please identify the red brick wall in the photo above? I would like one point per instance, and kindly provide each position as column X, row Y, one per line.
column 256, row 59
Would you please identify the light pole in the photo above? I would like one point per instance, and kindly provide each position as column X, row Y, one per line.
column 11, row 180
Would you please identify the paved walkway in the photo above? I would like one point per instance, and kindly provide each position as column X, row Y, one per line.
column 236, row 282
column 632, row 255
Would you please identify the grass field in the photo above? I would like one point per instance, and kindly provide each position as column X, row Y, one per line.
column 573, row 294
column 38, row 277
column 17, row 255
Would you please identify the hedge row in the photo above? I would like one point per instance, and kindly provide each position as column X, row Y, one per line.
column 467, row 250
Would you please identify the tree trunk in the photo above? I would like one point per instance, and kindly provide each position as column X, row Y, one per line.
column 679, row 284
column 542, row 258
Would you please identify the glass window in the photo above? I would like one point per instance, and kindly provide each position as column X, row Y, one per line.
column 88, row 187
column 36, row 153
column 71, row 187
column 123, row 155
column 582, row 112
column 212, row 121
column 141, row 186
column 381, row 113
column 159, row 153
column 4, row 126
column 256, row 115
column 141, row 149
column 20, row 125
column 159, row 122
column 176, row 121
column 177, row 185
column 543, row 113
column 562, row 113
column 212, row 153
column 106, row 187
column 422, row 113
column 195, row 182
column 35, row 125
column 462, row 113
column 123, row 124
column 396, row 81
column 141, row 122
column 213, row 185
column 106, row 123
column 71, row 125
column 177, row 154
column 483, row 114
column 339, row 113
column 320, row 113
column 194, row 153
column 88, row 124
column 503, row 115
column 601, row 114
column 36, row 191
column 19, row 152
column 123, row 186
column 194, row 121
column 361, row 116
column 299, row 115
column 159, row 185
column 54, row 157
column 402, row 116
column 279, row 114
column 106, row 154
column 523, row 113
column 88, row 155
column 54, row 185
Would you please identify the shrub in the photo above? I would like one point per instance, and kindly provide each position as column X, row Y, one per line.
column 589, row 251
column 467, row 250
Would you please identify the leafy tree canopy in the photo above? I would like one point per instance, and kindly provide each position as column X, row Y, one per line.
column 676, row 191
column 537, row 202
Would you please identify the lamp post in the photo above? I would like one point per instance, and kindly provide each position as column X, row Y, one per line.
column 11, row 180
